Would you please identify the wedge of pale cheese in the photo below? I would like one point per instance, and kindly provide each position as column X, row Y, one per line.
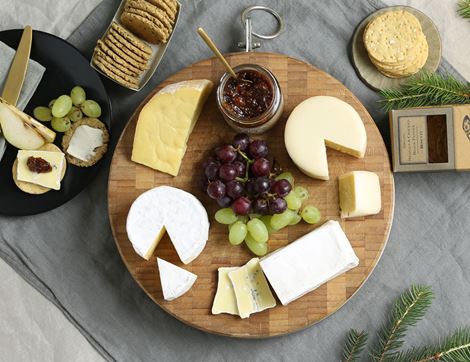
column 225, row 301
column 318, row 122
column 251, row 289
column 175, row 280
column 168, row 209
column 166, row 122
column 309, row 262
column 84, row 141
column 50, row 179
column 359, row 194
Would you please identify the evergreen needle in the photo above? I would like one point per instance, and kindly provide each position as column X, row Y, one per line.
column 464, row 8
column 407, row 311
column 355, row 343
column 426, row 89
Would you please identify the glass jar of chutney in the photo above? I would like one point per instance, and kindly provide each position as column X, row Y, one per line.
column 251, row 103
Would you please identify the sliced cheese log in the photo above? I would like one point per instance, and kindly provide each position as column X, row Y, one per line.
column 171, row 209
column 166, row 122
column 225, row 301
column 319, row 122
column 175, row 280
column 359, row 194
column 309, row 262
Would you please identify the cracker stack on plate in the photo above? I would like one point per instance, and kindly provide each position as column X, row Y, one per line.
column 122, row 56
column 152, row 20
column 396, row 44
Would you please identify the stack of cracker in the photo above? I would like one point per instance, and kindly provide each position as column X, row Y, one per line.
column 122, row 56
column 152, row 20
column 396, row 44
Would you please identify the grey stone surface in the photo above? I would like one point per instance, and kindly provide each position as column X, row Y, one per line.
column 69, row 255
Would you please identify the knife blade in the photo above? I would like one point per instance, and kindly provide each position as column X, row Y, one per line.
column 14, row 82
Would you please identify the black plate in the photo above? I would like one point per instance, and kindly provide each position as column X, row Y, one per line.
column 65, row 68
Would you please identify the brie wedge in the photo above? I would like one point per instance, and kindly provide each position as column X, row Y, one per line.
column 225, row 301
column 168, row 209
column 50, row 179
column 175, row 280
column 84, row 141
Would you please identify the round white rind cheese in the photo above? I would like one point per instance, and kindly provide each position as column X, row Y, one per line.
column 318, row 122
column 167, row 208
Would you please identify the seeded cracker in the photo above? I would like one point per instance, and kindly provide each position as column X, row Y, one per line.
column 152, row 10
column 150, row 18
column 129, row 45
column 143, row 27
column 117, row 59
column 164, row 7
column 131, row 38
column 124, row 55
column 111, row 72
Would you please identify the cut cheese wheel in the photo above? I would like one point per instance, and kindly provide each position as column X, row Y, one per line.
column 172, row 210
column 166, row 122
column 323, row 121
column 175, row 280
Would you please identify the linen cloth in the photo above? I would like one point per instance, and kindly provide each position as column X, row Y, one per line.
column 31, row 81
column 70, row 256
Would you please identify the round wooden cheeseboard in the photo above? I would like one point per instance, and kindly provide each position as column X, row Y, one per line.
column 368, row 235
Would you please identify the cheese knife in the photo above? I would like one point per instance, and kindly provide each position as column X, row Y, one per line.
column 14, row 82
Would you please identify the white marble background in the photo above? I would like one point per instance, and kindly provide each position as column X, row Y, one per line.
column 33, row 329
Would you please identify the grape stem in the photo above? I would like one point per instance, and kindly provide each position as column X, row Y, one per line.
column 248, row 163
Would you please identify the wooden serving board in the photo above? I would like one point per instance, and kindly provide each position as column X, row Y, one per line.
column 368, row 236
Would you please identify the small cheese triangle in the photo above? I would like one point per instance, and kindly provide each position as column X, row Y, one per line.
column 175, row 280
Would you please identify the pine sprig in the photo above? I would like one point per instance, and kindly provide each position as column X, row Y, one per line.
column 407, row 311
column 454, row 348
column 355, row 343
column 464, row 8
column 426, row 89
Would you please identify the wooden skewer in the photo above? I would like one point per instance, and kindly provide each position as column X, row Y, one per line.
column 216, row 51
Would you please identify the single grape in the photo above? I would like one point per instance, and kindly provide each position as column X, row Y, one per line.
column 261, row 185
column 240, row 167
column 295, row 219
column 293, row 202
column 267, row 222
column 208, row 161
column 281, row 187
column 261, row 167
column 51, row 103
column 279, row 221
column 311, row 214
column 257, row 230
column 250, row 187
column 234, row 189
column 278, row 205
column 301, row 193
column 61, row 124
column 62, row 106
column 91, row 108
column 225, row 216
column 241, row 206
column 212, row 170
column 241, row 141
column 75, row 114
column 258, row 148
column 42, row 114
column 256, row 248
column 237, row 233
column 216, row 189
column 261, row 206
column 227, row 172
column 286, row 176
column 78, row 96
column 226, row 153
column 224, row 201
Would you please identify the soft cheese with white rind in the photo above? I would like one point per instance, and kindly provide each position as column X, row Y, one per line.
column 225, row 301
column 84, row 141
column 359, row 194
column 167, row 208
column 319, row 122
column 307, row 263
column 50, row 179
column 166, row 122
column 175, row 280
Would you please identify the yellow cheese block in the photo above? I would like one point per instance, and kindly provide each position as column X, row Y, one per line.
column 49, row 179
column 166, row 122
column 359, row 194
column 251, row 289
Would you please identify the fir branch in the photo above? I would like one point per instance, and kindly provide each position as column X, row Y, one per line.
column 455, row 347
column 354, row 345
column 426, row 89
column 407, row 311
column 464, row 8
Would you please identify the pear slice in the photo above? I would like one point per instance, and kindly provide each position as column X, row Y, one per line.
column 17, row 132
column 44, row 132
